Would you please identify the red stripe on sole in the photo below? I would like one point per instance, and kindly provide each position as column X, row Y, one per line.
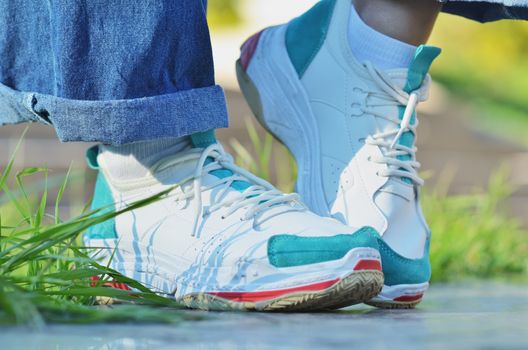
column 248, row 49
column 409, row 297
column 95, row 280
column 369, row 264
column 272, row 294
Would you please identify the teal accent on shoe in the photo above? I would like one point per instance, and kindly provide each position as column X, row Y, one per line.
column 102, row 198
column 422, row 60
column 306, row 34
column 238, row 185
column 207, row 138
column 203, row 139
column 290, row 250
column 420, row 64
column 91, row 157
column 400, row 270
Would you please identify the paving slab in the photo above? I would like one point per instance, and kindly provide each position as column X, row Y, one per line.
column 461, row 316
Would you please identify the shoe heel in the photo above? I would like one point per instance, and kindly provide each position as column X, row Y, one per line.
column 248, row 88
column 399, row 296
column 252, row 96
column 247, row 50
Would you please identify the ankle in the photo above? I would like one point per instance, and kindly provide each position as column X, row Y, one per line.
column 367, row 44
column 410, row 21
column 134, row 160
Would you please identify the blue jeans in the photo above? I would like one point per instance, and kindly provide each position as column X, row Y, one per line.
column 487, row 11
column 109, row 71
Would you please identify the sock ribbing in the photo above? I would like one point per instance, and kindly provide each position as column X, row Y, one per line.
column 133, row 160
column 367, row 44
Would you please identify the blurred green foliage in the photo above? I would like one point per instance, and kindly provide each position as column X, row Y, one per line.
column 486, row 64
column 224, row 13
column 474, row 236
column 45, row 269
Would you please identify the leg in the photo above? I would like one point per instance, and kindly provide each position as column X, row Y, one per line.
column 107, row 72
column 111, row 73
column 410, row 21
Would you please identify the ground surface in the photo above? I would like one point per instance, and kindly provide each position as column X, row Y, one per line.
column 468, row 316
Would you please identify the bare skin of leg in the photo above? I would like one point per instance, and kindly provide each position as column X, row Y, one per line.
column 410, row 21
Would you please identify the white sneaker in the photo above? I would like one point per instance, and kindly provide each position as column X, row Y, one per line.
column 224, row 239
column 351, row 129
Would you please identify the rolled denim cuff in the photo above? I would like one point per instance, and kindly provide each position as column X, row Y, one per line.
column 487, row 11
column 118, row 121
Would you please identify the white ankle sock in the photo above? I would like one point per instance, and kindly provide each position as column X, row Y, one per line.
column 383, row 51
column 133, row 160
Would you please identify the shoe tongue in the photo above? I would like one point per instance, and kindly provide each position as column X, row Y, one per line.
column 416, row 73
column 411, row 79
column 420, row 64
column 205, row 139
column 238, row 185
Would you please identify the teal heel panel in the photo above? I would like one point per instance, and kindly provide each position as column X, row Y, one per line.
column 306, row 34
column 400, row 270
column 102, row 198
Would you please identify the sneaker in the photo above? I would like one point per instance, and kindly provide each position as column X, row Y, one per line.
column 351, row 128
column 223, row 239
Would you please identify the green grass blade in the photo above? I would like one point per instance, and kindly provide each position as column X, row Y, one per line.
column 60, row 193
column 7, row 170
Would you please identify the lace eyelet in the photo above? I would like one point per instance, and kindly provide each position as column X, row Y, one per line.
column 356, row 110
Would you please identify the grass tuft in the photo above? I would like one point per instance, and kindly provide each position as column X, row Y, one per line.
column 45, row 272
column 474, row 236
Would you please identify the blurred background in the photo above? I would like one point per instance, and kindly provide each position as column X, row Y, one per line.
column 472, row 142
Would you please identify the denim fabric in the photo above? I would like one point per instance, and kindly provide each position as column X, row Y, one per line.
column 109, row 71
column 487, row 11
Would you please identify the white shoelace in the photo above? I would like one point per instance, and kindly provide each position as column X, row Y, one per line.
column 258, row 197
column 388, row 140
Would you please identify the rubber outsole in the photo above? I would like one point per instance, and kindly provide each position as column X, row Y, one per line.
column 406, row 300
column 394, row 304
column 355, row 288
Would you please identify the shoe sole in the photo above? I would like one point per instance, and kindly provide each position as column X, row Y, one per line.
column 405, row 296
column 325, row 286
column 394, row 305
column 293, row 128
column 353, row 289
